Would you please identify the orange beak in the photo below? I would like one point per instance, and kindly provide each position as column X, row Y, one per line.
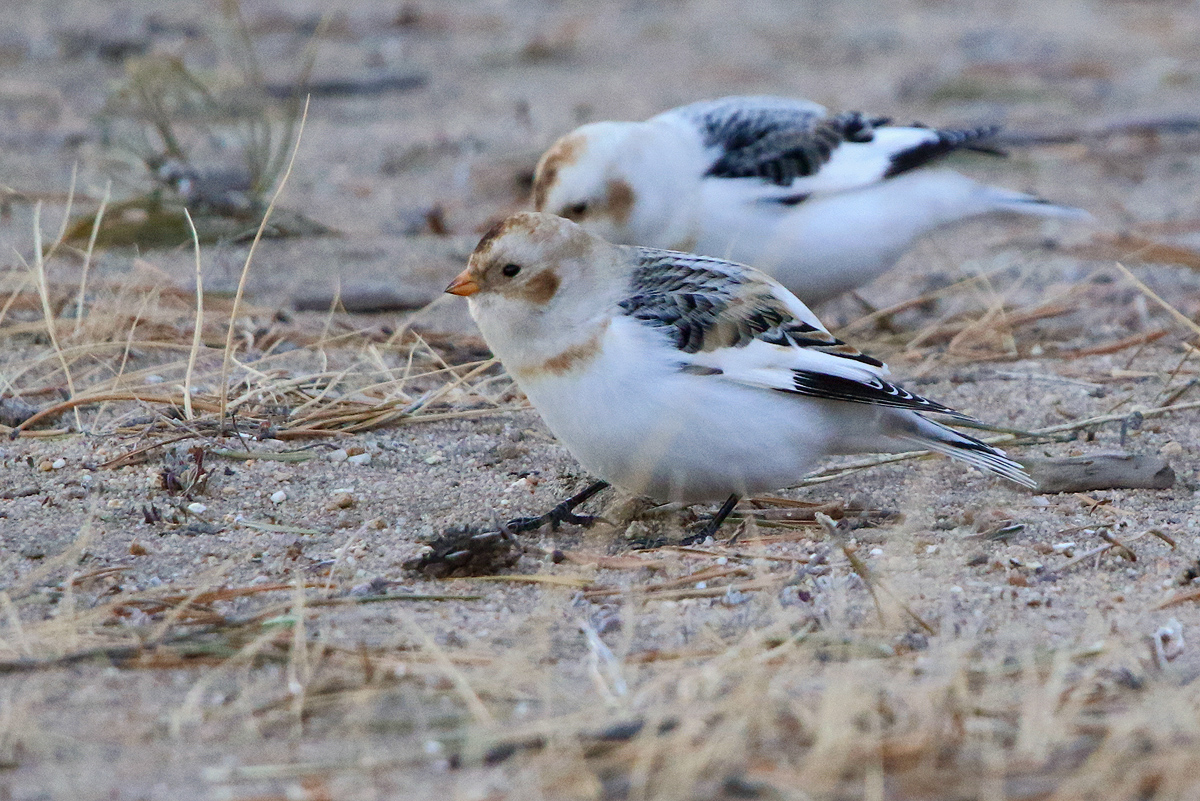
column 463, row 285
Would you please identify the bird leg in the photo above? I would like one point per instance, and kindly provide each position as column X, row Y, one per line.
column 563, row 513
column 710, row 528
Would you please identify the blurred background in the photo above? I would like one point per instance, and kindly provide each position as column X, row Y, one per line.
column 427, row 117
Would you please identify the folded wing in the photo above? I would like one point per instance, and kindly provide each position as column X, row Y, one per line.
column 796, row 146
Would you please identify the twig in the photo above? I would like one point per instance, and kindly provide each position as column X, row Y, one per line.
column 87, row 256
column 1182, row 318
column 39, row 261
column 1117, row 345
column 191, row 365
column 241, row 288
column 864, row 572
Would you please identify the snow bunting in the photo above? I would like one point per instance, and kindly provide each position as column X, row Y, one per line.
column 823, row 203
column 683, row 377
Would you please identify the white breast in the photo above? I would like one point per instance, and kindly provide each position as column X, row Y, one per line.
column 633, row 418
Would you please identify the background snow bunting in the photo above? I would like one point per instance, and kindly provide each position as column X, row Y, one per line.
column 823, row 203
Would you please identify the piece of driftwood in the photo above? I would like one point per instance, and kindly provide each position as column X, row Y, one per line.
column 370, row 85
column 1167, row 124
column 1100, row 471
column 365, row 299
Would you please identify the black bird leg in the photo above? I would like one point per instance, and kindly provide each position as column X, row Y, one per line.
column 710, row 528
column 563, row 513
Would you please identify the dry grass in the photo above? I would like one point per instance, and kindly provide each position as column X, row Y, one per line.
column 861, row 699
column 216, row 365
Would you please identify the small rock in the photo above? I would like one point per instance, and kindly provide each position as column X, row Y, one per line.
column 279, row 496
column 511, row 450
column 435, row 458
column 58, row 464
column 339, row 455
column 1168, row 642
column 341, row 499
column 360, row 458
column 197, row 508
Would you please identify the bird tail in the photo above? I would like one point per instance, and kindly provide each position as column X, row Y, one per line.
column 1002, row 199
column 933, row 436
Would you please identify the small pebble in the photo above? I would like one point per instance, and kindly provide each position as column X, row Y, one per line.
column 722, row 560
column 734, row 597
column 340, row 499
column 197, row 508
column 1063, row 547
column 434, row 458
column 339, row 455
column 875, row 552
column 59, row 463
column 279, row 496
column 359, row 458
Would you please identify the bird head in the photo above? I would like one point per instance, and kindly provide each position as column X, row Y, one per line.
column 585, row 177
column 537, row 279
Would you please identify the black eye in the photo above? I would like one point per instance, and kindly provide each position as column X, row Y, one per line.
column 510, row 270
column 575, row 211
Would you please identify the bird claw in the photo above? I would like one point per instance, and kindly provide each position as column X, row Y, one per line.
column 563, row 513
column 706, row 531
column 555, row 517
column 713, row 524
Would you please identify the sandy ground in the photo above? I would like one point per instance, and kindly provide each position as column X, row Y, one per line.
column 992, row 666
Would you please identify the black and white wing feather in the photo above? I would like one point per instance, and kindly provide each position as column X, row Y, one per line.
column 729, row 320
column 797, row 145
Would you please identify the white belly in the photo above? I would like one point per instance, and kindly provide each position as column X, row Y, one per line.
column 829, row 244
column 632, row 418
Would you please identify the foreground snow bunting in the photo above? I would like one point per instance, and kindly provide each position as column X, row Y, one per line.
column 822, row 203
column 683, row 377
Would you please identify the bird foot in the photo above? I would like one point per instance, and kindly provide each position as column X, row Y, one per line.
column 563, row 513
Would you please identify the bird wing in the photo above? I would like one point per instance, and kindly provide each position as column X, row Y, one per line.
column 730, row 321
column 797, row 146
